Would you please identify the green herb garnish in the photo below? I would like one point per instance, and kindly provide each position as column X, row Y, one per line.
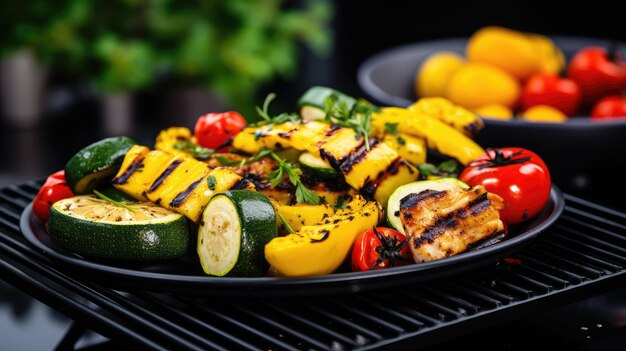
column 211, row 182
column 391, row 128
column 359, row 118
column 117, row 203
column 286, row 168
column 194, row 150
column 267, row 120
column 449, row 168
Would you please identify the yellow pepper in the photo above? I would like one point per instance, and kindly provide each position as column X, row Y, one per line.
column 454, row 115
column 320, row 249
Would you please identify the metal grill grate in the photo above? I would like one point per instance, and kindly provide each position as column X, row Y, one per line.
column 582, row 254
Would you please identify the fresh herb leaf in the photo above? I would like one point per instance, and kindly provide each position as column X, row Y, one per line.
column 194, row 150
column 449, row 168
column 391, row 128
column 359, row 118
column 228, row 162
column 211, row 182
column 401, row 140
column 267, row 119
column 305, row 196
column 117, row 203
column 293, row 173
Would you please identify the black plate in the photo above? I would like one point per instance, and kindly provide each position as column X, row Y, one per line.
column 184, row 275
column 574, row 151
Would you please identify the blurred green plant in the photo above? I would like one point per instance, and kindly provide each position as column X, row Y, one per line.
column 231, row 47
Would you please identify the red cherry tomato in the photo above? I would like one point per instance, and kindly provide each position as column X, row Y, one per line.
column 518, row 175
column 547, row 89
column 54, row 189
column 609, row 107
column 379, row 248
column 214, row 129
column 598, row 73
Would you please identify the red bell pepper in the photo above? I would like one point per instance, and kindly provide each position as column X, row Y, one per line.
column 54, row 189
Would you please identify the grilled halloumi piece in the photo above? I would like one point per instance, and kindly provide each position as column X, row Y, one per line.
column 444, row 223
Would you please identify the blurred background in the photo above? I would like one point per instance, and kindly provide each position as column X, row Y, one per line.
column 75, row 71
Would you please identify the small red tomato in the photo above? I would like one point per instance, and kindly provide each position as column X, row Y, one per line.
column 609, row 107
column 598, row 73
column 54, row 189
column 518, row 175
column 214, row 129
column 547, row 89
column 379, row 248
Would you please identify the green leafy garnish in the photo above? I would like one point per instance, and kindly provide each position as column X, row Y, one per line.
column 117, row 203
column 449, row 168
column 211, row 182
column 240, row 163
column 400, row 140
column 194, row 150
column 286, row 168
column 359, row 118
column 391, row 128
column 267, row 119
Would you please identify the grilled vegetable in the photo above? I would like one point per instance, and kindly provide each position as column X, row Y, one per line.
column 53, row 189
column 214, row 130
column 320, row 249
column 175, row 140
column 379, row 248
column 393, row 206
column 408, row 147
column 438, row 135
column 177, row 182
column 96, row 164
column 91, row 226
column 444, row 223
column 397, row 174
column 316, row 166
column 233, row 232
column 311, row 103
column 456, row 116
column 300, row 215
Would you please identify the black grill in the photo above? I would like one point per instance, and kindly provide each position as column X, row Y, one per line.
column 581, row 255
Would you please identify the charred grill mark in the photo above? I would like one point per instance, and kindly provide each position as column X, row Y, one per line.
column 287, row 135
column 240, row 184
column 451, row 220
column 369, row 189
column 180, row 198
column 357, row 156
column 332, row 130
column 412, row 200
column 324, row 155
column 325, row 234
column 123, row 178
column 259, row 181
column 164, row 175
column 442, row 224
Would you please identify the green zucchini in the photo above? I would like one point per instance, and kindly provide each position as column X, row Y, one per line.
column 316, row 166
column 233, row 231
column 90, row 226
column 96, row 164
column 311, row 103
column 393, row 204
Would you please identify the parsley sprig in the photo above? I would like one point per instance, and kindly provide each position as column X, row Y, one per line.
column 359, row 118
column 267, row 119
column 293, row 173
column 240, row 163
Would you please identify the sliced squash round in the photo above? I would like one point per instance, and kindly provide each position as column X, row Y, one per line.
column 90, row 226
column 316, row 166
column 233, row 231
column 393, row 204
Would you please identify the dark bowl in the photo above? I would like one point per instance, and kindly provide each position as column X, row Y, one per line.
column 584, row 156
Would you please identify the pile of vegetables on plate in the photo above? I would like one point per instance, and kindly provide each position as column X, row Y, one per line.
column 297, row 194
column 507, row 74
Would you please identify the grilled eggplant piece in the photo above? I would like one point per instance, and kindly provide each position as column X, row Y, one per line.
column 444, row 223
column 177, row 182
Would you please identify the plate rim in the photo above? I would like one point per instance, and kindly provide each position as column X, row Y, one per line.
column 367, row 85
column 345, row 279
